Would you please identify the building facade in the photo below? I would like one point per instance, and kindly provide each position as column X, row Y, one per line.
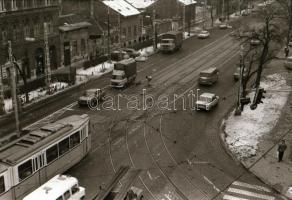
column 22, row 23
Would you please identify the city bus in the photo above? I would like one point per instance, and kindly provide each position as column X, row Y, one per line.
column 29, row 161
column 60, row 187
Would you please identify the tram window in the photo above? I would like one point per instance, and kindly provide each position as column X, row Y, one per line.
column 67, row 195
column 2, row 184
column 25, row 170
column 74, row 139
column 63, row 146
column 75, row 189
column 52, row 153
column 60, row 198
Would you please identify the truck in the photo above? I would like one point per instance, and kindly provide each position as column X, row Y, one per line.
column 124, row 73
column 171, row 41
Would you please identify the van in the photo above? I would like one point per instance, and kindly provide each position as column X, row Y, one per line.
column 209, row 76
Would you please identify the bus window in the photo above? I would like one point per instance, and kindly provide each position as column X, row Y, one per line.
column 67, row 195
column 63, row 146
column 2, row 184
column 74, row 139
column 25, row 170
column 75, row 189
column 52, row 153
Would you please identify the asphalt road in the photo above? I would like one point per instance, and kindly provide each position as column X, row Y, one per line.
column 178, row 149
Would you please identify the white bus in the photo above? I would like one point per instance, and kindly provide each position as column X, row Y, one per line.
column 28, row 162
column 60, row 187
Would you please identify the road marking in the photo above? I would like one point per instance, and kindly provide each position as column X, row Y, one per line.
column 148, row 173
column 257, row 187
column 229, row 197
column 251, row 194
column 211, row 183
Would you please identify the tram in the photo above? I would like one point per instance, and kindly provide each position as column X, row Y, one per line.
column 31, row 160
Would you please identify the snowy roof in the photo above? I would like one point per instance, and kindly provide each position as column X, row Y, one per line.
column 187, row 2
column 75, row 26
column 122, row 7
column 140, row 4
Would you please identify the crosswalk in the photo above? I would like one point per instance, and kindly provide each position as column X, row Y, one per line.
column 245, row 191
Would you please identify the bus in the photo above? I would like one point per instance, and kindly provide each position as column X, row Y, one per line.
column 29, row 161
column 60, row 187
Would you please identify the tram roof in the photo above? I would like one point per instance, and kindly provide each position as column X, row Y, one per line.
column 52, row 189
column 40, row 138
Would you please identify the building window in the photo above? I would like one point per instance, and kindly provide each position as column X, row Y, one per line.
column 36, row 30
column 52, row 154
column 13, row 5
column 2, row 184
column 2, row 5
column 124, row 32
column 82, row 46
column 74, row 139
column 26, row 30
column 25, row 170
column 74, row 48
column 129, row 31
column 135, row 30
column 4, row 37
column 63, row 146
column 15, row 33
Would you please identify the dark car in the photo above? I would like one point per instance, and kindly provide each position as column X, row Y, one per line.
column 131, row 52
column 91, row 97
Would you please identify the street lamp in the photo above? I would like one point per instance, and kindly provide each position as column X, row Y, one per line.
column 154, row 30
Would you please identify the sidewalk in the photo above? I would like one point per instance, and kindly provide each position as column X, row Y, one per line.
column 259, row 155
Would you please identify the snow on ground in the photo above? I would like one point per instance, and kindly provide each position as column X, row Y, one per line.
column 187, row 35
column 98, row 70
column 243, row 132
column 35, row 94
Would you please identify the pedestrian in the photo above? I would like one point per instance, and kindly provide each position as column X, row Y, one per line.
column 281, row 149
column 286, row 50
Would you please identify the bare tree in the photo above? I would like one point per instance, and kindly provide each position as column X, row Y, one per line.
column 260, row 45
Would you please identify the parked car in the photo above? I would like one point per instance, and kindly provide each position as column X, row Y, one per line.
column 203, row 34
column 131, row 52
column 236, row 74
column 223, row 26
column 288, row 63
column 209, row 76
column 255, row 42
column 118, row 55
column 207, row 101
column 244, row 13
column 91, row 97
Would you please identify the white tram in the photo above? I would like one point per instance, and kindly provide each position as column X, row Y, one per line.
column 31, row 160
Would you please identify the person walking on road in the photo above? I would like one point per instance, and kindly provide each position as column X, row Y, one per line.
column 281, row 149
column 286, row 50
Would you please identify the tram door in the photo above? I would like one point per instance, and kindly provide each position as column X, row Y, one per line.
column 38, row 164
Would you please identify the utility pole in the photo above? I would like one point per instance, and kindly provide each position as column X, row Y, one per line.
column 154, row 31
column 184, row 17
column 205, row 14
column 13, row 87
column 2, row 104
column 108, row 35
column 47, row 59
column 223, row 10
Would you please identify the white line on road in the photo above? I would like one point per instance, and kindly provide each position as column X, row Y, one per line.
column 229, row 197
column 211, row 183
column 251, row 194
column 257, row 187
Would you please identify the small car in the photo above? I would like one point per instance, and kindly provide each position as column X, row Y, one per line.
column 118, row 55
column 255, row 42
column 207, row 101
column 208, row 76
column 244, row 13
column 203, row 34
column 223, row 26
column 91, row 97
column 236, row 74
column 131, row 52
column 288, row 63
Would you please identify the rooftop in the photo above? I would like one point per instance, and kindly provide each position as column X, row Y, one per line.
column 140, row 4
column 24, row 147
column 122, row 7
column 207, row 95
column 187, row 2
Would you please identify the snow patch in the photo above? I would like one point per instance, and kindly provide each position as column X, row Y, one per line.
column 243, row 132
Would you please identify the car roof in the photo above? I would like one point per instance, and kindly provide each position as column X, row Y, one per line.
column 210, row 70
column 208, row 95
